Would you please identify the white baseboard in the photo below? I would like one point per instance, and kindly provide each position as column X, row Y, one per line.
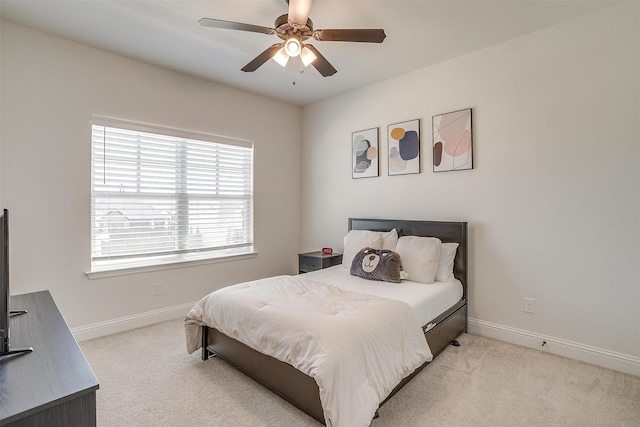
column 121, row 324
column 585, row 353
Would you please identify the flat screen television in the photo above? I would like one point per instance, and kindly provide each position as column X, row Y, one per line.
column 5, row 311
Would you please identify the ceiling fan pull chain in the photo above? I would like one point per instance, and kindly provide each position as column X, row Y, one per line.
column 294, row 67
column 293, row 71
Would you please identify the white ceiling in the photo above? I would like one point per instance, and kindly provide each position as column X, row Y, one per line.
column 167, row 33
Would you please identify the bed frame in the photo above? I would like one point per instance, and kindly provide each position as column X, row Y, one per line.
column 300, row 389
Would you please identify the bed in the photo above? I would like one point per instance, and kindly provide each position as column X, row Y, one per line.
column 302, row 389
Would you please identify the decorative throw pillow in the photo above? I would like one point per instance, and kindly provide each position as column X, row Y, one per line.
column 375, row 264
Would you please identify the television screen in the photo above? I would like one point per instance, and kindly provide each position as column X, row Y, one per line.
column 5, row 312
column 4, row 282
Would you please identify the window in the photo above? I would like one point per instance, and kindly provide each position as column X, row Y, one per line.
column 162, row 196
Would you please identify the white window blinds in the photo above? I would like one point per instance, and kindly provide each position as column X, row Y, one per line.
column 162, row 195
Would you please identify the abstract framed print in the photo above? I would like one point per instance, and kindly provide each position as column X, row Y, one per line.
column 452, row 141
column 404, row 147
column 365, row 157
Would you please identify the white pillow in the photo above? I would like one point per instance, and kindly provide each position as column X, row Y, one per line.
column 419, row 257
column 356, row 240
column 389, row 239
column 445, row 264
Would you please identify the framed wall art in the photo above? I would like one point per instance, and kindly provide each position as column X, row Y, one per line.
column 452, row 141
column 404, row 147
column 365, row 157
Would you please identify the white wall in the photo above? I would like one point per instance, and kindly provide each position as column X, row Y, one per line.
column 50, row 89
column 553, row 201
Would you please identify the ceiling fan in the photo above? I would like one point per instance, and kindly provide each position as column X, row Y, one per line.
column 295, row 28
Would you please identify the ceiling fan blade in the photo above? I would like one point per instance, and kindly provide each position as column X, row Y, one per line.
column 262, row 58
column 321, row 64
column 229, row 25
column 299, row 11
column 354, row 35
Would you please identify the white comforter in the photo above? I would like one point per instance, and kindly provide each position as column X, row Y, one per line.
column 356, row 346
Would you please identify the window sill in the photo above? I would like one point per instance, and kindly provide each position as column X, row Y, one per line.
column 120, row 270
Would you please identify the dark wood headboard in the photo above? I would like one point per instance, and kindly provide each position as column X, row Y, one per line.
column 454, row 232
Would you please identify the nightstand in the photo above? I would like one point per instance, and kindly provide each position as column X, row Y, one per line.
column 311, row 261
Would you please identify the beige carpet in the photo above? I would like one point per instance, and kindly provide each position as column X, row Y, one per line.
column 147, row 379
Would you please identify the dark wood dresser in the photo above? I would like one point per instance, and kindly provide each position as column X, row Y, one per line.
column 53, row 385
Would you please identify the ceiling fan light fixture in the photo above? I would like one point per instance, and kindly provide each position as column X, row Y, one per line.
column 307, row 56
column 294, row 28
column 292, row 46
column 281, row 57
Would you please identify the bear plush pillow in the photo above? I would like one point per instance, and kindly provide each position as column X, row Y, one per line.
column 358, row 239
column 377, row 264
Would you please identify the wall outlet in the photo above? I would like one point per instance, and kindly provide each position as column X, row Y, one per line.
column 157, row 289
column 529, row 305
